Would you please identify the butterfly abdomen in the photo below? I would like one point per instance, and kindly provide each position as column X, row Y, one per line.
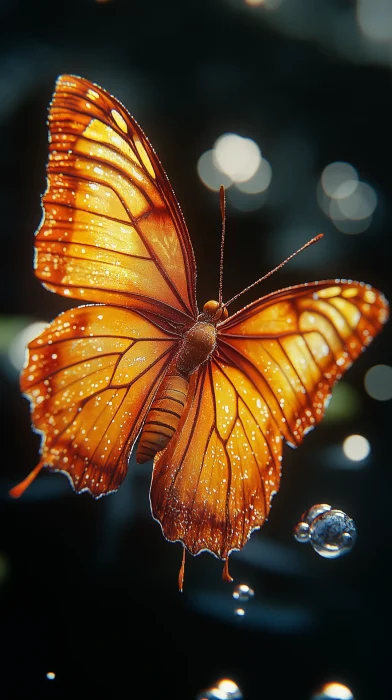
column 166, row 410
column 163, row 417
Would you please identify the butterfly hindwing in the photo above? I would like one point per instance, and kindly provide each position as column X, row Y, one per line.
column 214, row 482
column 91, row 377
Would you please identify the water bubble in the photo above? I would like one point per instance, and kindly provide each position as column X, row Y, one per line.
column 231, row 688
column 243, row 592
column 302, row 532
column 332, row 534
column 212, row 694
column 50, row 676
column 332, row 691
column 330, row 531
column 314, row 512
column 225, row 689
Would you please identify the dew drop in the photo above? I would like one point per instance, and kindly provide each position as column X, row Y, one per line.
column 243, row 592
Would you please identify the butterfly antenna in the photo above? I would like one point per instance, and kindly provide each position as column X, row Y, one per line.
column 313, row 240
column 222, row 196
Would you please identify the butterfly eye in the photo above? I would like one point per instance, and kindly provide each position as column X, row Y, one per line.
column 215, row 311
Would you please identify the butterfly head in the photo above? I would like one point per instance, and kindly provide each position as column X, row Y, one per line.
column 214, row 312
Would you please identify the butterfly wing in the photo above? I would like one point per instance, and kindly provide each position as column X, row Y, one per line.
column 91, row 377
column 296, row 343
column 214, row 482
column 270, row 377
column 112, row 230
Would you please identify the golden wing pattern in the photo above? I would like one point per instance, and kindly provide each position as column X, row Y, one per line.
column 213, row 485
column 112, row 230
column 91, row 377
column 269, row 379
column 296, row 343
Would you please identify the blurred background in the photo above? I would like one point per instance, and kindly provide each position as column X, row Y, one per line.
column 288, row 103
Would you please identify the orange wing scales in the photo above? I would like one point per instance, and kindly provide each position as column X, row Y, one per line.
column 297, row 346
column 112, row 231
column 91, row 377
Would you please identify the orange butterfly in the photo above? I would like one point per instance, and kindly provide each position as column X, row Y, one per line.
column 211, row 397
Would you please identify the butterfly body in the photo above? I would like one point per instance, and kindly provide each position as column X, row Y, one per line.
column 227, row 391
column 197, row 345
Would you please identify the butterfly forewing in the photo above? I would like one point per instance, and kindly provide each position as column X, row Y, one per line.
column 112, row 230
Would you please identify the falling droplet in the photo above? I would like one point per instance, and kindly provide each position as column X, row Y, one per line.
column 50, row 676
column 243, row 592
column 239, row 612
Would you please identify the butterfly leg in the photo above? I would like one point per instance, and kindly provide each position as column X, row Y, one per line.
column 225, row 573
column 181, row 573
column 19, row 489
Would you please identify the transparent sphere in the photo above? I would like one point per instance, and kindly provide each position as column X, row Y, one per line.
column 302, row 532
column 332, row 534
column 243, row 592
column 314, row 512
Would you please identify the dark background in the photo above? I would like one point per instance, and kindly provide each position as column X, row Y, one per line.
column 88, row 589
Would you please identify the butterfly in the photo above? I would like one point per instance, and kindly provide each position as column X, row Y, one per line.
column 211, row 398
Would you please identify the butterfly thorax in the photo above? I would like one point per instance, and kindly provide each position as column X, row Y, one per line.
column 197, row 345
column 199, row 341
